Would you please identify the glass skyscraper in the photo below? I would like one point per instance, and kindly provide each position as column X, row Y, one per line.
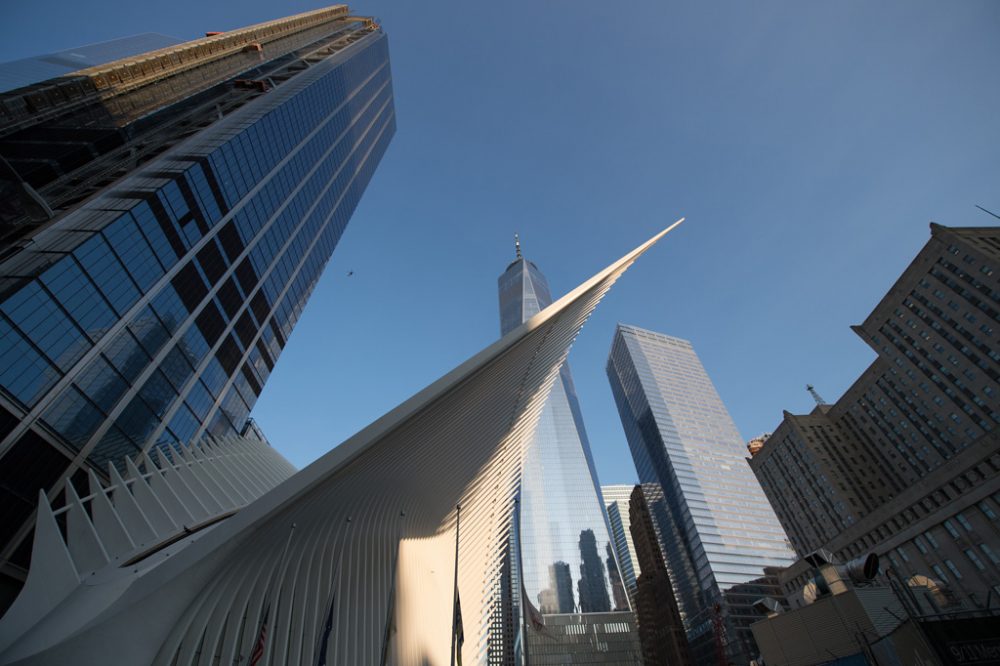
column 567, row 556
column 564, row 534
column 165, row 219
column 616, row 501
column 718, row 528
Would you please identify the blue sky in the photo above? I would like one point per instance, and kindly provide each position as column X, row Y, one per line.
column 808, row 144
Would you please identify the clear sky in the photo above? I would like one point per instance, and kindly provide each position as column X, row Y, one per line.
column 809, row 144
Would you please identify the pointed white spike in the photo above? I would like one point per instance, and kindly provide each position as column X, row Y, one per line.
column 131, row 514
column 246, row 469
column 81, row 537
column 176, row 508
column 205, row 488
column 51, row 578
column 109, row 526
column 232, row 467
column 149, row 503
column 220, row 474
column 180, row 488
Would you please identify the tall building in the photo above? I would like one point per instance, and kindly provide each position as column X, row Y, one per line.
column 661, row 629
column 386, row 550
column 616, row 501
column 720, row 530
column 905, row 464
column 164, row 220
column 567, row 556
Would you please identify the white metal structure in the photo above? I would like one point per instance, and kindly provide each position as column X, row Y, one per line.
column 352, row 558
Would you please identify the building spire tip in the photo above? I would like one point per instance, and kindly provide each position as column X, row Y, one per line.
column 517, row 245
column 815, row 395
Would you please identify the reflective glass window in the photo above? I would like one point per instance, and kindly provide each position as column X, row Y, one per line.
column 183, row 424
column 75, row 292
column 134, row 252
column 73, row 417
column 200, row 400
column 153, row 232
column 210, row 322
column 107, row 273
column 211, row 261
column 113, row 447
column 176, row 367
column 167, row 304
column 23, row 371
column 214, row 377
column 101, row 383
column 189, row 286
column 148, row 330
column 137, row 421
column 45, row 324
column 128, row 357
column 158, row 393
column 194, row 345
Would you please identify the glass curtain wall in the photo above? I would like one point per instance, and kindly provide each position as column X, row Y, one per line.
column 567, row 556
column 717, row 526
column 156, row 311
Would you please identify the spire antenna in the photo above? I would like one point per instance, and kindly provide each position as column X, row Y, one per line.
column 987, row 211
column 517, row 245
column 816, row 396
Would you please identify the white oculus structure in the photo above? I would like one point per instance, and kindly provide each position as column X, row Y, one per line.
column 221, row 555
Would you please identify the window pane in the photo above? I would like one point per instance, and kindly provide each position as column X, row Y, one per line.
column 77, row 294
column 73, row 417
column 107, row 273
column 23, row 372
column 134, row 251
column 114, row 446
column 42, row 322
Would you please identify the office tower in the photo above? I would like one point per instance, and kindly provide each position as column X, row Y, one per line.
column 165, row 219
column 562, row 519
column 565, row 545
column 905, row 464
column 661, row 629
column 720, row 529
column 616, row 501
column 385, row 550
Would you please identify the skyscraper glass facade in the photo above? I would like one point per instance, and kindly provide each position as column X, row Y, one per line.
column 616, row 501
column 720, row 530
column 567, row 556
column 155, row 311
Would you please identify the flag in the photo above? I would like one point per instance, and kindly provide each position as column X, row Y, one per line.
column 459, row 638
column 532, row 613
column 258, row 648
column 326, row 636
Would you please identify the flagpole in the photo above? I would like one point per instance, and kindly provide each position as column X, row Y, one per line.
column 255, row 656
column 520, row 578
column 391, row 611
column 454, row 615
column 328, row 626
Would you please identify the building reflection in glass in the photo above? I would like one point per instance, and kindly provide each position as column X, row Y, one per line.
column 593, row 585
column 617, row 586
column 558, row 596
